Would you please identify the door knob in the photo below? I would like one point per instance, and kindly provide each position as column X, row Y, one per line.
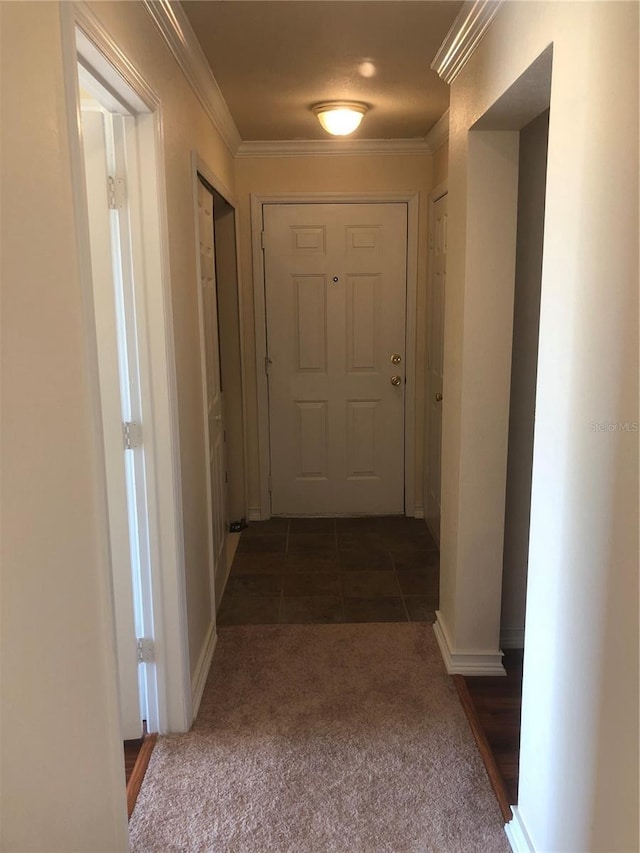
column 395, row 358
column 396, row 380
column 438, row 397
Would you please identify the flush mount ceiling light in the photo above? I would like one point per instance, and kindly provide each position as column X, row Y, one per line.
column 340, row 118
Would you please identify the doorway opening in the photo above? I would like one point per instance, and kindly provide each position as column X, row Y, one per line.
column 516, row 126
column 117, row 172
column 222, row 371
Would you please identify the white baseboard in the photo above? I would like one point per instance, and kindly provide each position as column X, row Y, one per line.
column 202, row 669
column 222, row 575
column 418, row 512
column 254, row 513
column 465, row 661
column 512, row 638
column 516, row 831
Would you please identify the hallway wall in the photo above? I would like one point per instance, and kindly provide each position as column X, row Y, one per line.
column 579, row 746
column 62, row 770
column 441, row 164
column 364, row 173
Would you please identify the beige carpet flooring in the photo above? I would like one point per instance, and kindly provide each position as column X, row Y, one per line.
column 322, row 739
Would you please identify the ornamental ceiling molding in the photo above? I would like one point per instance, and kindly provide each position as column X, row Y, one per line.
column 331, row 147
column 439, row 133
column 176, row 30
column 465, row 34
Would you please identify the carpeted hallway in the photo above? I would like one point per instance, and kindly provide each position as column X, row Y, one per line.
column 346, row 738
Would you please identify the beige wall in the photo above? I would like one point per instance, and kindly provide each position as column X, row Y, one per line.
column 381, row 173
column 62, row 773
column 62, row 780
column 441, row 164
column 579, row 743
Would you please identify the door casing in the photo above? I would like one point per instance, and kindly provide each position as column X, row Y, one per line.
column 434, row 196
column 84, row 37
column 413, row 507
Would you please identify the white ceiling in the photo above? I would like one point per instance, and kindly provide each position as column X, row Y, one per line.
column 273, row 59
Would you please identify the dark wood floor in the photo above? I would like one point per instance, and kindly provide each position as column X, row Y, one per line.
column 327, row 570
column 493, row 706
column 131, row 751
column 137, row 754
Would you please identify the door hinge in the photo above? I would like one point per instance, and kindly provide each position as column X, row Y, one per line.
column 116, row 192
column 131, row 435
column 269, row 482
column 267, row 364
column 146, row 651
column 263, row 240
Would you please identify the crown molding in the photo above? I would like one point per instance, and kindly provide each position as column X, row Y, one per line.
column 464, row 36
column 439, row 133
column 331, row 147
column 174, row 27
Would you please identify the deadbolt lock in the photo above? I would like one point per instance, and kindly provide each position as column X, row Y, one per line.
column 395, row 358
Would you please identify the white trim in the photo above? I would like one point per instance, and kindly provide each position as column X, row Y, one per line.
column 231, row 546
column 331, row 147
column 464, row 36
column 512, row 638
column 262, row 389
column 212, row 178
column 516, row 832
column 173, row 681
column 439, row 133
column 412, row 202
column 198, row 166
column 202, row 669
column 177, row 32
column 106, row 627
column 218, row 184
column 436, row 193
column 418, row 512
column 466, row 661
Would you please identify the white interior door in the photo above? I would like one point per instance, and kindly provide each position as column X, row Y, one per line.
column 435, row 349
column 114, row 372
column 213, row 389
column 335, row 289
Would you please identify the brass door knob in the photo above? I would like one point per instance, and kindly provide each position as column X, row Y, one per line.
column 438, row 398
column 396, row 380
column 395, row 358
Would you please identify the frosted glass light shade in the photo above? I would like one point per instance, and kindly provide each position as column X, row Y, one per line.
column 340, row 118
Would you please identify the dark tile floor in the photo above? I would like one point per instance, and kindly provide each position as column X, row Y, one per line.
column 315, row 570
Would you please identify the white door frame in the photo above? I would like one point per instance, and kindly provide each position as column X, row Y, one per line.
column 260, row 315
column 200, row 165
column 435, row 195
column 171, row 671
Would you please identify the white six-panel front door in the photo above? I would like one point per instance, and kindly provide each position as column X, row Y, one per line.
column 335, row 287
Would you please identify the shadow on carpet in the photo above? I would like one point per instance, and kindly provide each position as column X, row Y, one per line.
column 321, row 739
